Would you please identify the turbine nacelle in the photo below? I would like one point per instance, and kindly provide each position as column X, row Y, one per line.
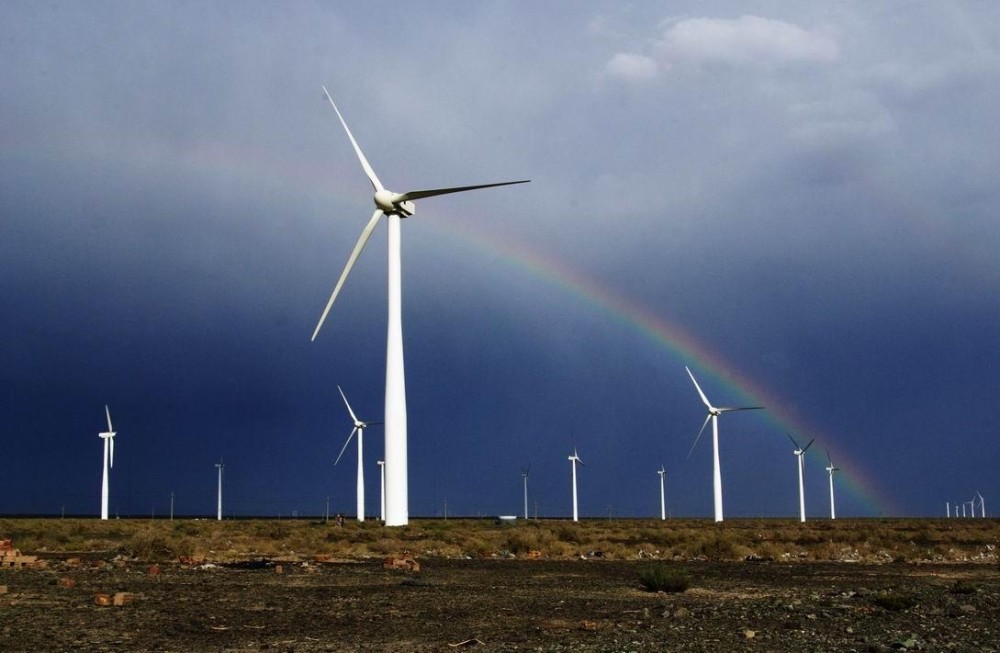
column 396, row 203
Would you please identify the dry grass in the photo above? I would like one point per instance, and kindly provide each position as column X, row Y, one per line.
column 861, row 540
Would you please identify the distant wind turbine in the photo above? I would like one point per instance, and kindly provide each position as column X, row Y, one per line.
column 524, row 475
column 218, row 496
column 831, row 469
column 574, row 459
column 359, row 428
column 982, row 504
column 394, row 206
column 799, row 456
column 109, row 461
column 663, row 495
column 713, row 415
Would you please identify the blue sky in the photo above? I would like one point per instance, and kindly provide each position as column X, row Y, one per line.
column 798, row 200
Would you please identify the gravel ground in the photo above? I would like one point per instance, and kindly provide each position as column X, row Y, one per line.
column 501, row 605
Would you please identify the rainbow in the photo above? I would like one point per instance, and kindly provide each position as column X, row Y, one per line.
column 677, row 342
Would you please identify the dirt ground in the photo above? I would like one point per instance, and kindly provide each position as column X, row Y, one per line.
column 501, row 605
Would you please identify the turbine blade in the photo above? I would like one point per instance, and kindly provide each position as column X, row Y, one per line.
column 344, row 448
column 732, row 409
column 108, row 413
column 344, row 397
column 580, row 461
column 809, row 445
column 793, row 440
column 111, row 446
column 697, row 387
column 362, row 241
column 372, row 177
column 433, row 192
column 704, row 424
column 828, row 458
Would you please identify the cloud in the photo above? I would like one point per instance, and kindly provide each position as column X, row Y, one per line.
column 747, row 42
column 632, row 67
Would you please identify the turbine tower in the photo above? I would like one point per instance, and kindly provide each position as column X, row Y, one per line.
column 218, row 495
column 395, row 206
column 109, row 461
column 524, row 475
column 713, row 415
column 831, row 469
column 574, row 459
column 799, row 455
column 381, row 469
column 663, row 496
column 359, row 428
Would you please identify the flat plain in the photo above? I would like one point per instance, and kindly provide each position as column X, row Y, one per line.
column 301, row 585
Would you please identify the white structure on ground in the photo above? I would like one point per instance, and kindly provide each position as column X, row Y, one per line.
column 359, row 428
column 395, row 206
column 574, row 459
column 713, row 415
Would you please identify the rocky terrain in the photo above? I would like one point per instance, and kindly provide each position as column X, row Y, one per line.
column 497, row 605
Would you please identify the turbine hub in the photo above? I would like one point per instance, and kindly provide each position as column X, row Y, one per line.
column 393, row 203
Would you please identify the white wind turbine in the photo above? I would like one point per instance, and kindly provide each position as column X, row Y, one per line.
column 524, row 475
column 831, row 469
column 800, row 457
column 394, row 206
column 574, row 459
column 109, row 461
column 218, row 495
column 359, row 428
column 713, row 415
column 663, row 497
column 982, row 504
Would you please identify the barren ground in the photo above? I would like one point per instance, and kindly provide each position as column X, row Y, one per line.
column 582, row 605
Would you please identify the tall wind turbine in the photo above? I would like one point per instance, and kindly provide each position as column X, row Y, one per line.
column 109, row 461
column 574, row 459
column 359, row 428
column 831, row 469
column 218, row 495
column 394, row 206
column 713, row 414
column 982, row 504
column 799, row 456
column 524, row 475
column 663, row 495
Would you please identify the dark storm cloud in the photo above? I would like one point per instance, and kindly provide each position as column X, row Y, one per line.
column 809, row 190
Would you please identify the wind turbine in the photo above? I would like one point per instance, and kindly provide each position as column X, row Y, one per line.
column 663, row 496
column 713, row 414
column 982, row 504
column 799, row 453
column 394, row 206
column 574, row 459
column 359, row 428
column 218, row 506
column 109, row 461
column 524, row 475
column 831, row 469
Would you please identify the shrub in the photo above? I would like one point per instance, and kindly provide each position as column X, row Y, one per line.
column 963, row 587
column 895, row 601
column 660, row 578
